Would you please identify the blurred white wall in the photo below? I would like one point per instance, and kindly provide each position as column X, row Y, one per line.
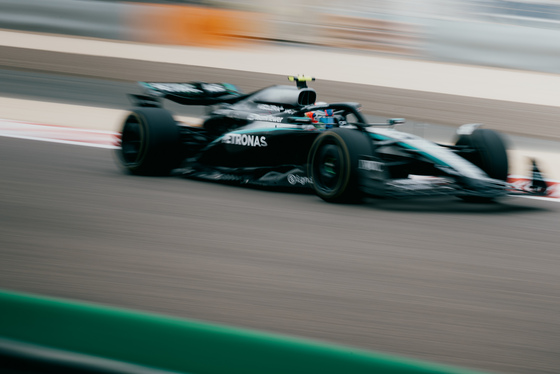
column 519, row 34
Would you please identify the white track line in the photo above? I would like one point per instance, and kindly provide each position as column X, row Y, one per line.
column 58, row 134
column 83, row 144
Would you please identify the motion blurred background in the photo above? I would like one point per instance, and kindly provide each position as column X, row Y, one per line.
column 506, row 33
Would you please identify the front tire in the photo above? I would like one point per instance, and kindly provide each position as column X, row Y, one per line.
column 333, row 164
column 490, row 152
column 150, row 142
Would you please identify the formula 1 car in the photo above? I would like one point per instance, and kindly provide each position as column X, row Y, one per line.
column 281, row 136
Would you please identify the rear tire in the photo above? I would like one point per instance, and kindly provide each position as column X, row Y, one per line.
column 333, row 164
column 150, row 142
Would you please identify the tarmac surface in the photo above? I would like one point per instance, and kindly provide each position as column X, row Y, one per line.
column 465, row 284
column 474, row 285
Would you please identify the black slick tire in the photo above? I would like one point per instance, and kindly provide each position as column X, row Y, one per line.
column 333, row 164
column 490, row 152
column 150, row 142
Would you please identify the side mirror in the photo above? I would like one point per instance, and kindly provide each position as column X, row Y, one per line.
column 395, row 121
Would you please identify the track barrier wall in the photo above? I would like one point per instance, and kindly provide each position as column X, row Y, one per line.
column 146, row 23
column 179, row 345
column 192, row 25
column 510, row 34
column 79, row 18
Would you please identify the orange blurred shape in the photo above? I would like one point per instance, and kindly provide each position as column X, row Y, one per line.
column 195, row 26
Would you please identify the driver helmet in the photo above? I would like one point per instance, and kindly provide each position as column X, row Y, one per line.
column 322, row 118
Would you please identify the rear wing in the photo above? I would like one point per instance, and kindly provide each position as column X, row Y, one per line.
column 193, row 93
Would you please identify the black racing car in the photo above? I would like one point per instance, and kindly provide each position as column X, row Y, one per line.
column 281, row 136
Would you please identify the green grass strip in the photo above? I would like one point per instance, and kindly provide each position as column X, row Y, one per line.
column 181, row 345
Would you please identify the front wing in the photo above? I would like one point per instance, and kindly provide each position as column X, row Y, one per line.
column 294, row 177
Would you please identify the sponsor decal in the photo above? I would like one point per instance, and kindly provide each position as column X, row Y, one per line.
column 294, row 179
column 370, row 165
column 246, row 140
column 257, row 117
column 176, row 87
column 271, row 108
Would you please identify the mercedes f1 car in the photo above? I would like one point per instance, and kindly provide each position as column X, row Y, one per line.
column 280, row 136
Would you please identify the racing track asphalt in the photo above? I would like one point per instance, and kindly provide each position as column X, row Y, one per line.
column 442, row 280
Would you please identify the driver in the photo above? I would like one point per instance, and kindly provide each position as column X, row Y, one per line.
column 322, row 118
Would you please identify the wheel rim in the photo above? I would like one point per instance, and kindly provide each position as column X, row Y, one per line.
column 131, row 142
column 328, row 168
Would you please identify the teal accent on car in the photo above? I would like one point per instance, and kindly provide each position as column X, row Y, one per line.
column 380, row 137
